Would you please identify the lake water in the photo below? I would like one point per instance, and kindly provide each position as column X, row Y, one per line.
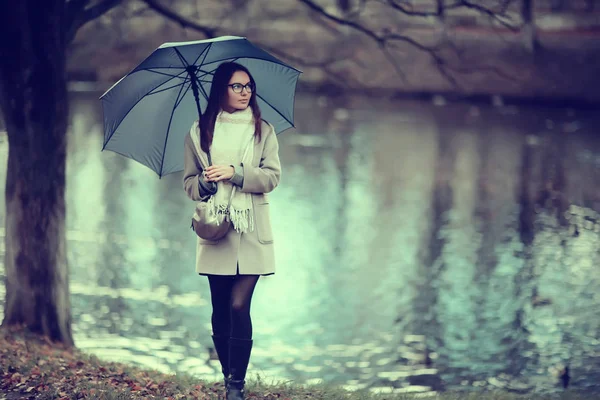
column 420, row 246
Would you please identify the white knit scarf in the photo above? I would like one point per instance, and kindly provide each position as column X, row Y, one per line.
column 233, row 136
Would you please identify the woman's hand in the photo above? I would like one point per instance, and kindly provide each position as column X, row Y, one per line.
column 216, row 173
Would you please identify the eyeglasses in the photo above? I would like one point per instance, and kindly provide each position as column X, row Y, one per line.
column 238, row 87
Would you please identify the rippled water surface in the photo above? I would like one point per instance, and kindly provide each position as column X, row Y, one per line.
column 418, row 247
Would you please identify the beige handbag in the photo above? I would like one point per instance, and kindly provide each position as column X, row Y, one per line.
column 207, row 226
column 210, row 227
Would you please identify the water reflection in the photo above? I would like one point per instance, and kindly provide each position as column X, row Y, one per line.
column 418, row 247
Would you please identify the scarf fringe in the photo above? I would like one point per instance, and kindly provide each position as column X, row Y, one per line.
column 242, row 220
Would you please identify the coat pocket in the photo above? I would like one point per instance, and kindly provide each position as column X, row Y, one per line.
column 262, row 223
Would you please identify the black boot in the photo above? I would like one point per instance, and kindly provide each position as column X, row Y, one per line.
column 239, row 357
column 222, row 349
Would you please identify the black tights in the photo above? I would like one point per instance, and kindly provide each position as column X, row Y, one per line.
column 231, row 297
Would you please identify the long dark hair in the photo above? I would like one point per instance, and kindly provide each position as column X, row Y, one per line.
column 216, row 99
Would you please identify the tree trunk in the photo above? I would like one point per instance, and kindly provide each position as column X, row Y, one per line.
column 34, row 101
column 529, row 34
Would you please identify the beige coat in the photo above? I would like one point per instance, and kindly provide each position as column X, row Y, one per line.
column 253, row 250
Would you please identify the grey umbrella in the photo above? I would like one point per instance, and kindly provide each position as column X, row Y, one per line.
column 148, row 112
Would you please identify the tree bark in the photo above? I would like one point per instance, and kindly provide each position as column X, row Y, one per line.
column 34, row 102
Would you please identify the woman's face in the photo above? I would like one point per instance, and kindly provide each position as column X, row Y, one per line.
column 238, row 101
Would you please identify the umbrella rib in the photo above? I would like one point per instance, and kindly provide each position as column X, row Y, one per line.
column 255, row 58
column 204, row 73
column 204, row 91
column 235, row 59
column 180, row 99
column 183, row 60
column 276, row 110
column 168, row 88
column 181, row 57
column 205, row 52
column 131, row 108
column 149, row 70
column 162, row 73
column 230, row 58
column 162, row 161
column 157, row 67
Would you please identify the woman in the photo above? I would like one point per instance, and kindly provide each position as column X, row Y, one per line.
column 244, row 152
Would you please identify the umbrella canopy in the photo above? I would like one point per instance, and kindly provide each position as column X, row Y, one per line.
column 148, row 112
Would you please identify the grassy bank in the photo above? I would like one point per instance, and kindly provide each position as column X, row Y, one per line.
column 33, row 368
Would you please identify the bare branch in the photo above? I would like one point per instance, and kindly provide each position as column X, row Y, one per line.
column 321, row 11
column 386, row 39
column 440, row 63
column 392, row 37
column 504, row 6
column 140, row 12
column 209, row 32
column 358, row 10
column 391, row 60
column 297, row 60
column 325, row 65
column 269, row 14
column 78, row 15
column 494, row 15
column 381, row 40
column 497, row 15
column 487, row 68
column 403, row 8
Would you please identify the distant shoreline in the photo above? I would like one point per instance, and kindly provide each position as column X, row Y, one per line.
column 394, row 94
